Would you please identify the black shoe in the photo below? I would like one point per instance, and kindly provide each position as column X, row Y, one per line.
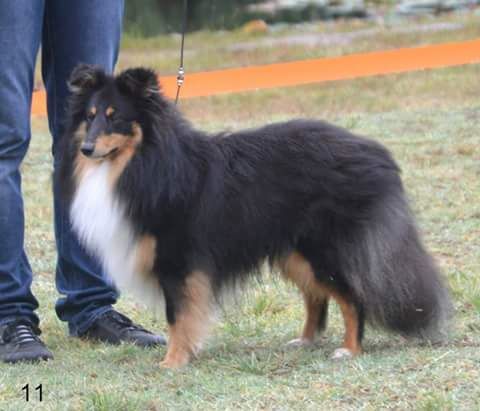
column 114, row 328
column 19, row 341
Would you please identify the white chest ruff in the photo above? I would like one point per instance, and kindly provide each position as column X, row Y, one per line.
column 99, row 220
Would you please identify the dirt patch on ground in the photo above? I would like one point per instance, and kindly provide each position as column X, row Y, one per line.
column 328, row 39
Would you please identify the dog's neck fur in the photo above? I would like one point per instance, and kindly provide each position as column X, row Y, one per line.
column 163, row 172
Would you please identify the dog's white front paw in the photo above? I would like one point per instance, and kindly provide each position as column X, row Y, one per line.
column 300, row 342
column 342, row 354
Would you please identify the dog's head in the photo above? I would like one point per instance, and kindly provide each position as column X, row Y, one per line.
column 109, row 109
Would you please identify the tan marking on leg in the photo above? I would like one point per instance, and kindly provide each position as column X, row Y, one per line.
column 192, row 322
column 145, row 254
column 312, row 309
column 298, row 270
column 350, row 317
column 145, row 258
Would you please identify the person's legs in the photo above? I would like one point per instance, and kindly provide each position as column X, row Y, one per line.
column 74, row 32
column 20, row 33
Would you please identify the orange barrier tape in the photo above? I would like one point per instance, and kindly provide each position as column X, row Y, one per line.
column 313, row 71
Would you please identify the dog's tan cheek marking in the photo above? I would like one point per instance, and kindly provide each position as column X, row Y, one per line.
column 192, row 322
column 107, row 142
column 125, row 154
column 298, row 270
column 93, row 111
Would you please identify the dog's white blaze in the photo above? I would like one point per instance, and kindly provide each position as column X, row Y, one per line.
column 99, row 220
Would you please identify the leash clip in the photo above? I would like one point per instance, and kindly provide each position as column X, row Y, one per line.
column 180, row 80
column 180, row 76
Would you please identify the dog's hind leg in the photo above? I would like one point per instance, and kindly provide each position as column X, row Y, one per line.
column 354, row 324
column 323, row 315
column 316, row 310
column 189, row 320
column 297, row 269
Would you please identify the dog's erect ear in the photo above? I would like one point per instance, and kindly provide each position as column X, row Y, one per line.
column 140, row 81
column 85, row 77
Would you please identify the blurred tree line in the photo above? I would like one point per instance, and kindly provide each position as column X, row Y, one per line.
column 151, row 17
column 145, row 18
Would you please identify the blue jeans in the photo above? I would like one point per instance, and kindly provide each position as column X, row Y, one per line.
column 70, row 32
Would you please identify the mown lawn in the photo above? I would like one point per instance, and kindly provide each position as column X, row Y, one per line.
column 430, row 122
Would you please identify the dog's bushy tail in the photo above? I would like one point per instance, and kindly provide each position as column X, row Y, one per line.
column 399, row 286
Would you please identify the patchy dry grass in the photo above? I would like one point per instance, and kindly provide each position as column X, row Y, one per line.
column 430, row 122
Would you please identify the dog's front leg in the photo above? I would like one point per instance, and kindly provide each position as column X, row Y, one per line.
column 189, row 320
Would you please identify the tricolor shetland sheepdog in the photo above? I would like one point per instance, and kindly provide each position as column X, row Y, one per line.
column 173, row 212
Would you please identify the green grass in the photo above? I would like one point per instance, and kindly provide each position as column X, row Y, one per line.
column 430, row 122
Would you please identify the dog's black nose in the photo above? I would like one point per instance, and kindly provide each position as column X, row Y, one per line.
column 87, row 149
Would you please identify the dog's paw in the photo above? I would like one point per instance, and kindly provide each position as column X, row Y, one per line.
column 300, row 342
column 175, row 361
column 342, row 354
column 173, row 365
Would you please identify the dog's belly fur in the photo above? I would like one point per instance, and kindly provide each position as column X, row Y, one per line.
column 98, row 217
